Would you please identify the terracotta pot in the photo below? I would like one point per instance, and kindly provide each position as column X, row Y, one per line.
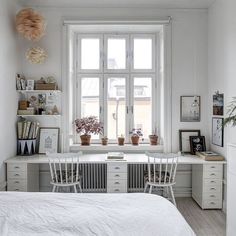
column 135, row 140
column 85, row 139
column 104, row 141
column 121, row 141
column 153, row 139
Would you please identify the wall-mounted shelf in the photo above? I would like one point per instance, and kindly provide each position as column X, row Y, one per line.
column 38, row 91
column 55, row 116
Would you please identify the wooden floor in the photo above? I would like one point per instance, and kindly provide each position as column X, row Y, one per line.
column 203, row 222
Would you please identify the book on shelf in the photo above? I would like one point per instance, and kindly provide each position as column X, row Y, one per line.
column 210, row 156
column 115, row 156
column 27, row 129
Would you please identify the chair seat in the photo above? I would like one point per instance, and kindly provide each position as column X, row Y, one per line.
column 69, row 177
column 157, row 177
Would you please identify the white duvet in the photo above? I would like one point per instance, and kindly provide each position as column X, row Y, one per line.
column 50, row 214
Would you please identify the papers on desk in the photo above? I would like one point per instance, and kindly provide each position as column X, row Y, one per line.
column 115, row 156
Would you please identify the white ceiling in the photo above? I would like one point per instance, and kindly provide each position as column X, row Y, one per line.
column 174, row 4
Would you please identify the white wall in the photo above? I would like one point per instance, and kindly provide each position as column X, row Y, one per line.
column 222, row 58
column 189, row 43
column 8, row 69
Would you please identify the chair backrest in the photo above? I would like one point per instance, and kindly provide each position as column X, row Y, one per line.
column 162, row 167
column 64, row 167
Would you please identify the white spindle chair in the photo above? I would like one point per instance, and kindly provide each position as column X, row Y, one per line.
column 64, row 169
column 161, row 172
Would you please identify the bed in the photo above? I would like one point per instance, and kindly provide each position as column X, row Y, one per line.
column 89, row 214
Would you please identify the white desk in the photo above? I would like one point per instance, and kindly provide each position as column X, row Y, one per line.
column 23, row 175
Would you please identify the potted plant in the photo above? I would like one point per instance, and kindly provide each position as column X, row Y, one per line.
column 104, row 140
column 87, row 126
column 153, row 138
column 121, row 140
column 231, row 119
column 136, row 134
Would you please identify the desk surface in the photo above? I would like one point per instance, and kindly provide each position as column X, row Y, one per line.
column 101, row 158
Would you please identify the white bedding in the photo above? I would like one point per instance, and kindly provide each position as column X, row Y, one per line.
column 50, row 214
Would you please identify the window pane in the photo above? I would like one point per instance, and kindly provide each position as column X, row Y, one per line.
column 90, row 54
column 142, row 53
column 90, row 98
column 116, row 53
column 143, row 105
column 116, row 107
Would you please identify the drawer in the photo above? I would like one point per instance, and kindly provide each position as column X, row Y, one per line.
column 116, row 175
column 212, row 196
column 116, row 183
column 213, row 175
column 18, row 183
column 212, row 182
column 212, row 204
column 117, row 189
column 16, row 175
column 17, row 167
column 117, row 167
column 15, row 188
column 212, row 189
column 213, row 167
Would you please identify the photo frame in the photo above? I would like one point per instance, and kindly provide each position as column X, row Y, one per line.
column 184, row 141
column 49, row 140
column 30, row 84
column 190, row 108
column 197, row 144
column 218, row 131
column 218, row 104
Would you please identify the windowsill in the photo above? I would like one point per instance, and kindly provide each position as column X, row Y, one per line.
column 114, row 147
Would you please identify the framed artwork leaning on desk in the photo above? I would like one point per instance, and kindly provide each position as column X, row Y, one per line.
column 49, row 140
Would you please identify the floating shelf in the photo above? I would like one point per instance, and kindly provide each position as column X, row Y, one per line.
column 39, row 116
column 38, row 91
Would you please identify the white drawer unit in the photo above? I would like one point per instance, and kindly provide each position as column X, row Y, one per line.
column 116, row 177
column 22, row 177
column 207, row 180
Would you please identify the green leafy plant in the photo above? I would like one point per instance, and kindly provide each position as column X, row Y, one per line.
column 231, row 119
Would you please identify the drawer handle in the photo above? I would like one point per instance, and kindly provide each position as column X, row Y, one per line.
column 213, row 189
column 117, row 182
column 17, row 182
column 213, row 174
column 17, row 189
column 212, row 203
column 213, row 181
column 117, row 175
column 117, row 190
column 213, row 167
column 17, row 175
column 117, row 168
column 212, row 196
column 17, row 167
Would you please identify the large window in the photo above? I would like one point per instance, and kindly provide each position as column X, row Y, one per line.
column 116, row 78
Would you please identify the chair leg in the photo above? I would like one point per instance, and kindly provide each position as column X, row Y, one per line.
column 75, row 190
column 80, row 189
column 54, row 188
column 145, row 188
column 172, row 195
column 150, row 190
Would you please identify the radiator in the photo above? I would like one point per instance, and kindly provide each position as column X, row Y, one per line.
column 93, row 177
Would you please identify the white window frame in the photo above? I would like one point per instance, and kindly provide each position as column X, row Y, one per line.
column 116, row 36
column 129, row 73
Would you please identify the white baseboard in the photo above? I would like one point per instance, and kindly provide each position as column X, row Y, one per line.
column 3, row 186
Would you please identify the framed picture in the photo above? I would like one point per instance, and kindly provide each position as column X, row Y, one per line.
column 30, row 84
column 48, row 140
column 218, row 104
column 197, row 144
column 217, row 131
column 190, row 108
column 184, row 140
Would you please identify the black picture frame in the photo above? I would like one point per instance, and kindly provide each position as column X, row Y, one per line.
column 184, row 141
column 197, row 144
column 187, row 110
column 218, row 104
column 218, row 131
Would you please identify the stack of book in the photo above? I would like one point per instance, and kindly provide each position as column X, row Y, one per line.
column 210, row 156
column 27, row 130
column 115, row 156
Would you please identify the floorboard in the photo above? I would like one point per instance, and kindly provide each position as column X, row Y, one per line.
column 203, row 222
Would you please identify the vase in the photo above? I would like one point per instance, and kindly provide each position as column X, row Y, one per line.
column 121, row 141
column 104, row 141
column 153, row 139
column 135, row 140
column 85, row 139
